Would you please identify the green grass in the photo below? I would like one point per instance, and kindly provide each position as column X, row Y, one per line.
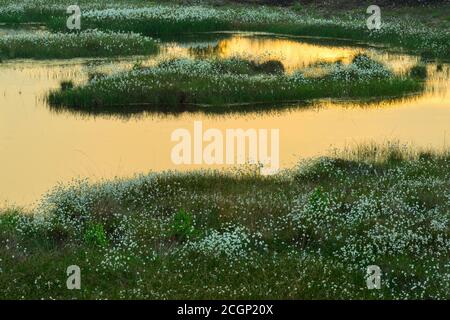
column 179, row 85
column 427, row 42
column 423, row 37
column 307, row 233
column 84, row 44
column 424, row 41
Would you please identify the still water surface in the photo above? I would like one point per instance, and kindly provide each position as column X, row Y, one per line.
column 40, row 147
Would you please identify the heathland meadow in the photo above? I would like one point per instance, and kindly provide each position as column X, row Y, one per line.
column 308, row 232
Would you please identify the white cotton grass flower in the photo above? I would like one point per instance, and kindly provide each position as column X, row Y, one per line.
column 233, row 242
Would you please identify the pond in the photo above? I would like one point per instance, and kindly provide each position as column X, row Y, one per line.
column 41, row 147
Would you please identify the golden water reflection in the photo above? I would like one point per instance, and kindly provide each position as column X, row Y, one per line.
column 39, row 148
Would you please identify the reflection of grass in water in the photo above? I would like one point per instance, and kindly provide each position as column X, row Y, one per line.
column 309, row 232
column 187, row 85
column 139, row 111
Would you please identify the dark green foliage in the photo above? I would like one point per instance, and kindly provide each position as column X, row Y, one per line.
column 66, row 85
column 418, row 71
column 182, row 226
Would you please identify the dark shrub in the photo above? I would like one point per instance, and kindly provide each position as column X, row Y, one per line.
column 418, row 71
column 66, row 85
column 271, row 66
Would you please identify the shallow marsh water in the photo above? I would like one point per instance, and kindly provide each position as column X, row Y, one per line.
column 40, row 147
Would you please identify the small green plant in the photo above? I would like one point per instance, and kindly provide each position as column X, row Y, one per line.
column 8, row 220
column 418, row 72
column 95, row 235
column 297, row 7
column 182, row 226
column 66, row 85
column 318, row 200
column 395, row 156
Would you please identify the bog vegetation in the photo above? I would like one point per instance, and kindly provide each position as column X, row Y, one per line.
column 186, row 84
column 174, row 18
column 308, row 233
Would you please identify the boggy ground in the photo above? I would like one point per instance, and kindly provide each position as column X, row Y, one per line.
column 90, row 43
column 307, row 233
column 423, row 30
column 186, row 84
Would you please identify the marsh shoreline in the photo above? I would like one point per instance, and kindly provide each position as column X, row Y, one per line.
column 307, row 233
